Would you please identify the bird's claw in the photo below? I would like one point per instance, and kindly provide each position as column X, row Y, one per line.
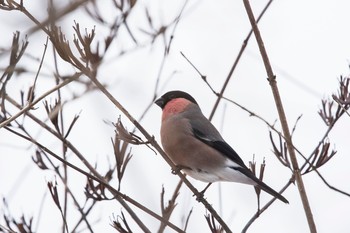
column 199, row 196
column 176, row 169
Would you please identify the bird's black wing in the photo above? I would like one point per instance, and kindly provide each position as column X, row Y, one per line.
column 220, row 146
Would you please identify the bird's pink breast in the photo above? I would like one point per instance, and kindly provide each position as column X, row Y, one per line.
column 174, row 106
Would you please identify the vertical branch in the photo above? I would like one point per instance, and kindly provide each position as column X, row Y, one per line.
column 283, row 119
column 64, row 149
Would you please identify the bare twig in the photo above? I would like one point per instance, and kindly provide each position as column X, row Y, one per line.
column 168, row 210
column 54, row 194
column 30, row 105
column 17, row 52
column 187, row 220
column 203, row 77
column 212, row 224
column 266, row 206
column 235, row 63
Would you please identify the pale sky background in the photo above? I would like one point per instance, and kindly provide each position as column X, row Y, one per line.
column 308, row 43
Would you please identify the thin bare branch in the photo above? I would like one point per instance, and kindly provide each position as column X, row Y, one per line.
column 266, row 206
column 235, row 63
column 32, row 104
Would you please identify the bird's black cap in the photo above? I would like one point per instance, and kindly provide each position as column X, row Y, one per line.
column 162, row 101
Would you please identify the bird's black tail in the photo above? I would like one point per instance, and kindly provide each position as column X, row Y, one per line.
column 262, row 185
column 269, row 190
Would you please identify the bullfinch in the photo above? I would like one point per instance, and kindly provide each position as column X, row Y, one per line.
column 196, row 146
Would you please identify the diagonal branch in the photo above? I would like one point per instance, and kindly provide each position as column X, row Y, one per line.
column 34, row 102
column 235, row 63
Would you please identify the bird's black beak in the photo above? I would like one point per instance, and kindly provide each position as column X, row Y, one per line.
column 160, row 102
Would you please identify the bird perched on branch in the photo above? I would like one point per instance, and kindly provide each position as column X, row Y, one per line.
column 196, row 146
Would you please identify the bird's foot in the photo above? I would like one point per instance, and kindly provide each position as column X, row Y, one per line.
column 175, row 170
column 199, row 196
column 178, row 168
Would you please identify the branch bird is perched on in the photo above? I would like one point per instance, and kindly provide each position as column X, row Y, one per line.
column 195, row 145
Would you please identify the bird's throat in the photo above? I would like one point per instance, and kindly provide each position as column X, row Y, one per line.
column 174, row 106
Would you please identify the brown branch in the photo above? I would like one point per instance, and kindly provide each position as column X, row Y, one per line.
column 283, row 119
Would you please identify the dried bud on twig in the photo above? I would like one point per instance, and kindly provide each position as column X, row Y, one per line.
column 62, row 46
column 53, row 112
column 213, row 225
column 281, row 152
column 83, row 45
column 119, row 226
column 17, row 51
column 252, row 165
column 95, row 192
column 88, row 59
column 319, row 157
column 122, row 157
column 343, row 100
column 54, row 194
column 23, row 225
column 123, row 134
column 39, row 160
column 326, row 112
column 167, row 210
column 155, row 32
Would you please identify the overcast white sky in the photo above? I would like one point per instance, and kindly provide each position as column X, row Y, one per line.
column 308, row 43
